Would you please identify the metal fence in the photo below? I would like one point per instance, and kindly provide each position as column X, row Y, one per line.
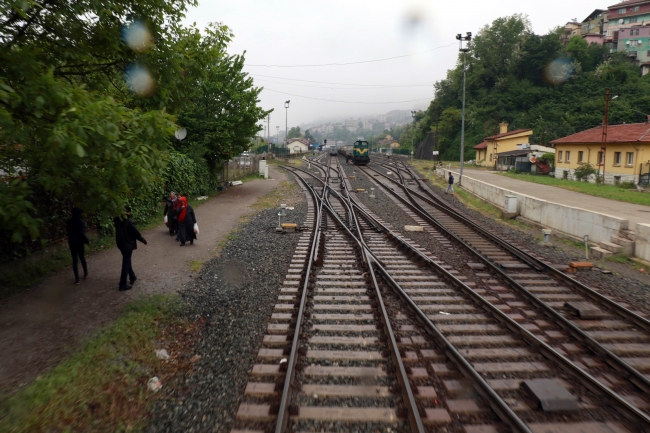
column 238, row 168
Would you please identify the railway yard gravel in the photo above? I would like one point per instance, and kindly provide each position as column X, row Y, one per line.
column 623, row 289
column 235, row 294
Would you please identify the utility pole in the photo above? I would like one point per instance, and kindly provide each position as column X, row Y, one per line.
column 268, row 131
column 286, row 122
column 460, row 39
column 412, row 133
column 603, row 144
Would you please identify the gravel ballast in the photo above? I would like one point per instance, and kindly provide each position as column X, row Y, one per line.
column 235, row 294
column 621, row 288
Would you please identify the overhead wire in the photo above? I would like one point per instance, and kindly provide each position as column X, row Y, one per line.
column 346, row 102
column 340, row 84
column 340, row 88
column 354, row 63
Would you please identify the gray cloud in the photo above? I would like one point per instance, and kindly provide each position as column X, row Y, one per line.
column 292, row 32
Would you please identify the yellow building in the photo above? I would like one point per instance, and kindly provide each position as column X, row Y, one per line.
column 487, row 151
column 626, row 157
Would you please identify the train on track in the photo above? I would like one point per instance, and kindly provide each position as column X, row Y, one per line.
column 358, row 153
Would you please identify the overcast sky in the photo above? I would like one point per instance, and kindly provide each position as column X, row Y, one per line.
column 305, row 32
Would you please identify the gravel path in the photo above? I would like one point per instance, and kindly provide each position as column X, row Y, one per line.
column 41, row 325
column 235, row 293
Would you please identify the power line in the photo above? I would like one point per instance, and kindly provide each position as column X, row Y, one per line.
column 345, row 102
column 341, row 84
column 354, row 63
column 340, row 88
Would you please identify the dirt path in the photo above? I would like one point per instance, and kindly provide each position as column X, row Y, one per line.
column 39, row 326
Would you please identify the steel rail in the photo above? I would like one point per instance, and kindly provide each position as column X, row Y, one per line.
column 415, row 420
column 589, row 381
column 525, row 257
column 500, row 407
column 283, row 412
column 631, row 373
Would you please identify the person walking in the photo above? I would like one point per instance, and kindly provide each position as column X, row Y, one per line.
column 75, row 227
column 170, row 213
column 186, row 221
column 451, row 184
column 126, row 235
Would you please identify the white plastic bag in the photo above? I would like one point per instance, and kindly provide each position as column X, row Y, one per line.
column 166, row 221
column 196, row 228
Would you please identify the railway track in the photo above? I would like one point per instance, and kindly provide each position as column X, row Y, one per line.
column 441, row 353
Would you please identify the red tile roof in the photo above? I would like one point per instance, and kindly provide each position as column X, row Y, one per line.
column 505, row 134
column 302, row 140
column 481, row 145
column 627, row 3
column 629, row 133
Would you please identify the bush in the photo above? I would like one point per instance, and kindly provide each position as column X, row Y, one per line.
column 548, row 159
column 627, row 185
column 584, row 170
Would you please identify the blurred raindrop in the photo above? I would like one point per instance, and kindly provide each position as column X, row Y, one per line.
column 139, row 80
column 413, row 21
column 559, row 71
column 137, row 37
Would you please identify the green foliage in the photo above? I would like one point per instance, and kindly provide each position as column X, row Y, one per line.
column 548, row 159
column 627, row 185
column 72, row 130
column 294, row 132
column 531, row 81
column 584, row 170
column 108, row 372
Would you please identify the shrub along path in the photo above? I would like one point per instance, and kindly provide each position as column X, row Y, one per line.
column 41, row 325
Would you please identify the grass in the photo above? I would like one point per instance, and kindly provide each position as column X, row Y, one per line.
column 629, row 262
column 612, row 192
column 196, row 265
column 103, row 386
column 276, row 197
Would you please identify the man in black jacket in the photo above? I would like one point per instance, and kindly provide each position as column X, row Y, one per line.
column 170, row 213
column 126, row 235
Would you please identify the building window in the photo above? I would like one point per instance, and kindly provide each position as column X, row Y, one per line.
column 622, row 11
column 568, row 156
column 634, row 32
column 629, row 158
column 580, row 156
column 559, row 156
column 617, row 158
column 635, row 9
column 601, row 158
column 633, row 20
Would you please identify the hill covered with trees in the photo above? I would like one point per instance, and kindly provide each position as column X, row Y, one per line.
column 530, row 81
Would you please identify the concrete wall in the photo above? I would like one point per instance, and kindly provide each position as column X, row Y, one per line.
column 571, row 220
column 642, row 241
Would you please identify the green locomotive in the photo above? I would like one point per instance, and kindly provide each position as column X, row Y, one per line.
column 359, row 153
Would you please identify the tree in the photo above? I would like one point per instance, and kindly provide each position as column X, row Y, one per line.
column 309, row 137
column 73, row 130
column 294, row 132
column 67, row 129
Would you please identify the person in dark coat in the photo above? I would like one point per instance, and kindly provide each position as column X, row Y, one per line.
column 77, row 239
column 126, row 235
column 170, row 212
column 186, row 221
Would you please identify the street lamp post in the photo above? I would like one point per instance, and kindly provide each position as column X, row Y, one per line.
column 412, row 133
column 460, row 39
column 286, row 121
column 603, row 145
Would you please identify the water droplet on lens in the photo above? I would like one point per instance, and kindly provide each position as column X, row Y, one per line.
column 137, row 37
column 139, row 80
